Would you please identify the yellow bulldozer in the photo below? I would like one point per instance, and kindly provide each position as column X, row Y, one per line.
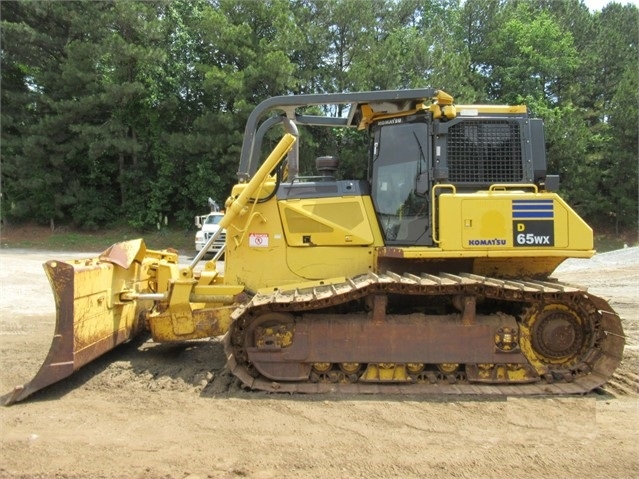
column 429, row 275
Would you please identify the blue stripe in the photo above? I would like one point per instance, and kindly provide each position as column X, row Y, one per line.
column 533, row 209
column 533, row 214
column 540, row 207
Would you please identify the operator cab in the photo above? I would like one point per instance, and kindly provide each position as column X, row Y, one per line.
column 421, row 145
column 468, row 149
column 399, row 181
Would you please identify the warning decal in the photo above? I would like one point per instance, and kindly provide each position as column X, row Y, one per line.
column 258, row 240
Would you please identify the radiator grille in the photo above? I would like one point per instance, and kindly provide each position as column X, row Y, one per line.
column 485, row 152
column 220, row 239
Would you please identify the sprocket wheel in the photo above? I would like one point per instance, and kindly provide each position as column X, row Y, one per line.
column 555, row 336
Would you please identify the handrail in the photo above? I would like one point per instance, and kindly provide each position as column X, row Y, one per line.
column 513, row 186
column 290, row 103
column 434, row 206
column 235, row 206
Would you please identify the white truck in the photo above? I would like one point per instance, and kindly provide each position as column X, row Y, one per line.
column 209, row 225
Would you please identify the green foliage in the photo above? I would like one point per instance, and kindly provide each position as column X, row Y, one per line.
column 126, row 112
column 529, row 54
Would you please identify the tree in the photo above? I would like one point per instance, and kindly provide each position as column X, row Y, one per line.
column 618, row 115
column 243, row 59
column 130, row 111
column 35, row 138
column 529, row 55
column 94, row 92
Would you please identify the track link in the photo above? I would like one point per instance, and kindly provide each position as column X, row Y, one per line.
column 593, row 368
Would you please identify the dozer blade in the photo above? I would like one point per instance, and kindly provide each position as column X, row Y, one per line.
column 91, row 319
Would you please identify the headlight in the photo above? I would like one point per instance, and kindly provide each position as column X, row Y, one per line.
column 199, row 236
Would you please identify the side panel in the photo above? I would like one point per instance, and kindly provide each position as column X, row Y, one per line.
column 329, row 237
column 255, row 254
column 296, row 240
column 536, row 223
column 504, row 234
column 321, row 262
column 340, row 221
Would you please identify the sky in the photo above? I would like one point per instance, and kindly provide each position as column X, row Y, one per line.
column 599, row 4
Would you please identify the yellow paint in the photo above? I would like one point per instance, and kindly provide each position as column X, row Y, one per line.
column 374, row 112
column 482, row 225
column 326, row 222
column 385, row 372
column 538, row 361
column 285, row 243
column 469, row 110
column 201, row 323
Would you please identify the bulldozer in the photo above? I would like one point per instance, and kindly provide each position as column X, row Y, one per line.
column 430, row 275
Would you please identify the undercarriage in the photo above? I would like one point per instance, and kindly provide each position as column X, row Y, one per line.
column 444, row 334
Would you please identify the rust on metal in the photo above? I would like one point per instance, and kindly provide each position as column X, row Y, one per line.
column 485, row 347
column 379, row 307
column 88, row 321
column 125, row 253
column 323, row 338
column 59, row 362
column 390, row 252
column 204, row 323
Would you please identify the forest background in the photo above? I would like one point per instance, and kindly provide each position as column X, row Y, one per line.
column 131, row 113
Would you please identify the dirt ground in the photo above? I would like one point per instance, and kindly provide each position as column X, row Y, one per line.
column 158, row 411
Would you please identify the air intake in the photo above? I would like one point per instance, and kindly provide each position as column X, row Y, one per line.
column 485, row 152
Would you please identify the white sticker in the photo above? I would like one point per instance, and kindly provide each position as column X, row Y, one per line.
column 258, row 240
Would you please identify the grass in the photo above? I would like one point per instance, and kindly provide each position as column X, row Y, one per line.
column 40, row 237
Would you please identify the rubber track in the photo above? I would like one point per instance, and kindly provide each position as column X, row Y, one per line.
column 595, row 370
